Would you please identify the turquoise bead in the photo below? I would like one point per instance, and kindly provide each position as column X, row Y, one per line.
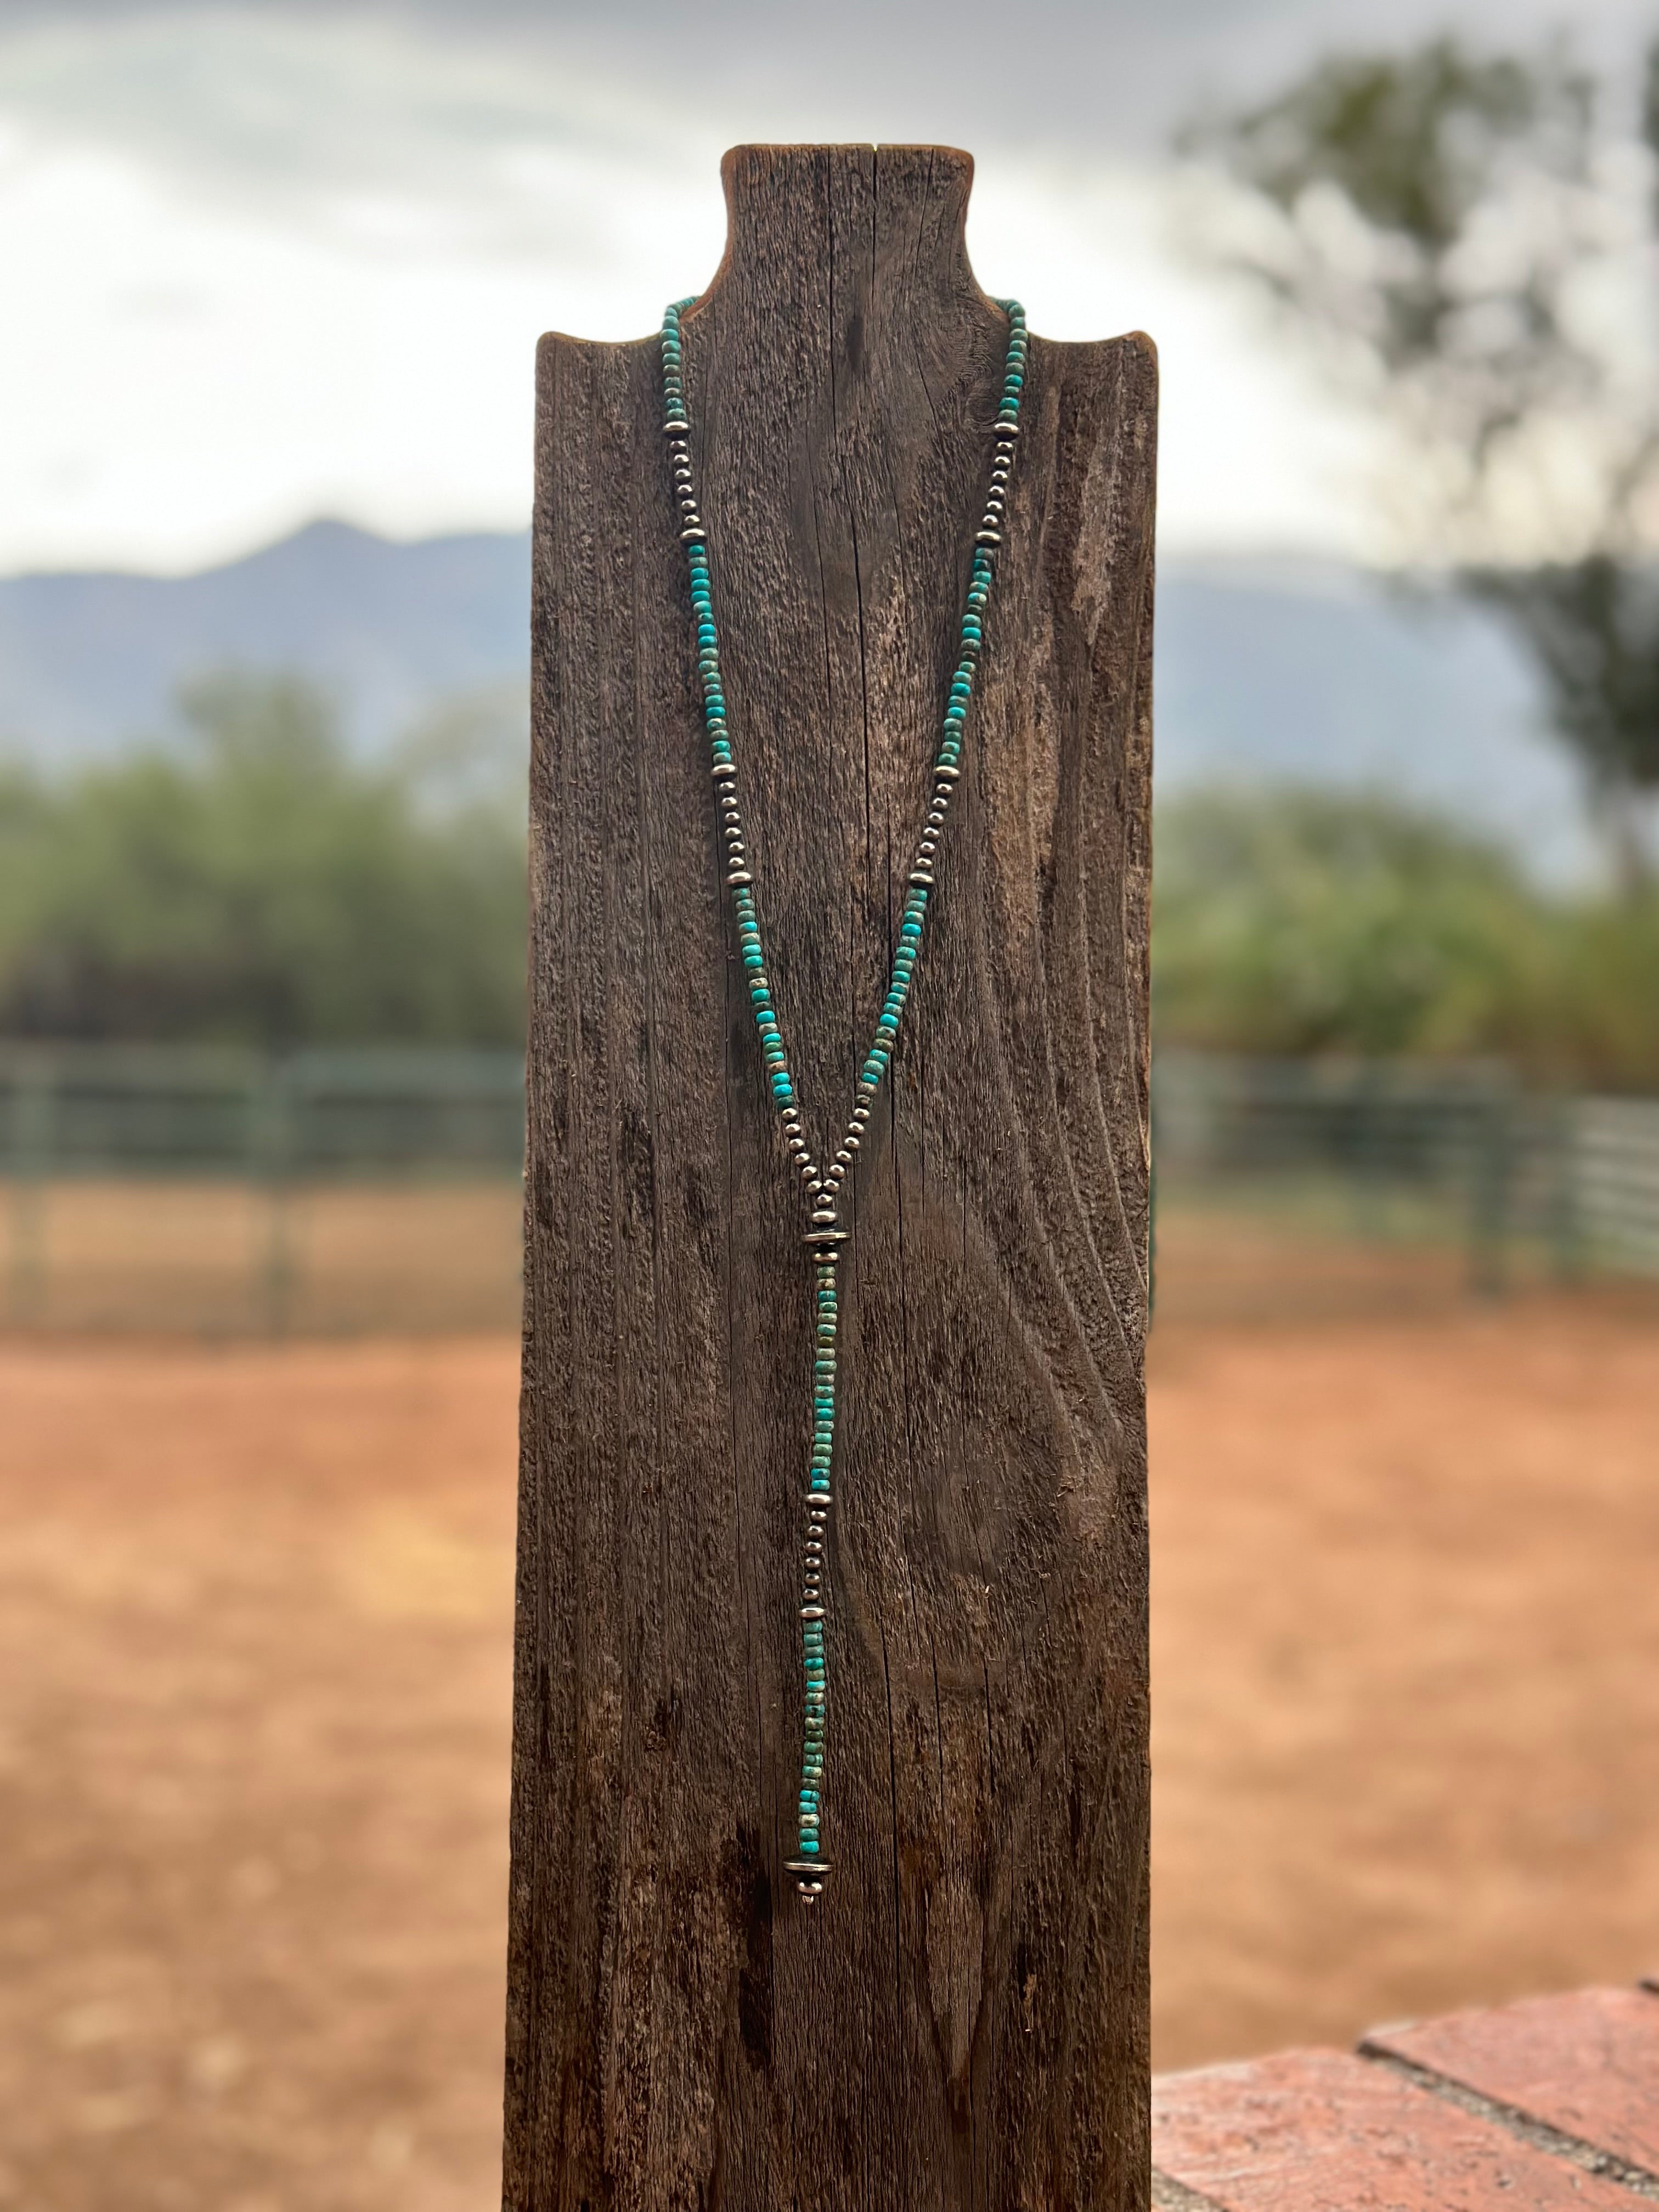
column 878, row 1057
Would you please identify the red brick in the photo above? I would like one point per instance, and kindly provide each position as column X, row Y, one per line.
column 1318, row 2131
column 1587, row 2063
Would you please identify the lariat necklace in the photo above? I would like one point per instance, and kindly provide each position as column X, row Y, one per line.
column 825, row 1237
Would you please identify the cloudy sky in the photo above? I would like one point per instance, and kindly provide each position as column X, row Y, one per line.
column 260, row 263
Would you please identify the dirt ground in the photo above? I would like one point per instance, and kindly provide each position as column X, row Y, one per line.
column 254, row 1614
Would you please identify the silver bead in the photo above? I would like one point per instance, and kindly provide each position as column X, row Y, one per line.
column 921, row 875
column 696, row 531
column 739, row 876
column 676, row 427
column 946, row 772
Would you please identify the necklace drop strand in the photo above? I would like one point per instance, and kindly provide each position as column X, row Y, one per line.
column 825, row 1238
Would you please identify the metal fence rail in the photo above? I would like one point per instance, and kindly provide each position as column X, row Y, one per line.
column 330, row 1190
column 1615, row 1171
column 1450, row 1181
column 147, row 1110
column 225, row 1191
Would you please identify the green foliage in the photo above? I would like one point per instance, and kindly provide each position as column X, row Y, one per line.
column 1472, row 251
column 1593, row 628
column 260, row 886
column 1297, row 922
column 1406, row 137
column 1418, row 148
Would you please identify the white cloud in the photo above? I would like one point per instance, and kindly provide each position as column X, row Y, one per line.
column 259, row 268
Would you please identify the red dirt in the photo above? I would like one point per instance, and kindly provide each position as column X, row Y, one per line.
column 254, row 1619
column 1406, row 1670
column 255, row 1611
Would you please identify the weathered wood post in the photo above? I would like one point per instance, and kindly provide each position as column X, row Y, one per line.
column 962, row 2020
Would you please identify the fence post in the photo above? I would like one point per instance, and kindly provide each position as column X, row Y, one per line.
column 272, row 1134
column 962, row 2020
column 34, row 1131
column 1560, row 1129
column 1492, row 1168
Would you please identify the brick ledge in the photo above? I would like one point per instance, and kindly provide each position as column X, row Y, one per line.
column 1531, row 2107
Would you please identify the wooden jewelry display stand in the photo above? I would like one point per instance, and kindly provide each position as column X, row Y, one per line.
column 960, row 2020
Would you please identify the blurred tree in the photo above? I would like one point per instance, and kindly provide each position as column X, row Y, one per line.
column 1290, row 921
column 259, row 885
column 1478, row 256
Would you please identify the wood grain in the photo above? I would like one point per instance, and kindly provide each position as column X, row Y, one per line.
column 963, row 2020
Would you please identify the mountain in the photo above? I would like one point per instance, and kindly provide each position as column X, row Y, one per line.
column 1266, row 667
column 1329, row 674
column 88, row 661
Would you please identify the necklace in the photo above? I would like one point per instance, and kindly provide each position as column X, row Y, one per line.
column 825, row 1238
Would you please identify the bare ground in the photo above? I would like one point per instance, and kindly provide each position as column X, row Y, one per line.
column 254, row 1620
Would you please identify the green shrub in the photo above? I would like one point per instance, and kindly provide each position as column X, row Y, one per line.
column 260, row 886
column 1290, row 921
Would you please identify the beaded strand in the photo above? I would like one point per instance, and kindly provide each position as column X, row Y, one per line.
column 822, row 1187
